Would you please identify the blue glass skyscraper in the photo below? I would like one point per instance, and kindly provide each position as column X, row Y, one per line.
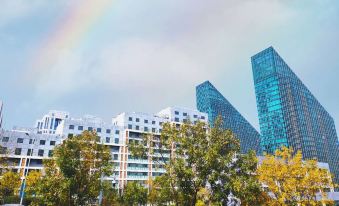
column 289, row 114
column 212, row 102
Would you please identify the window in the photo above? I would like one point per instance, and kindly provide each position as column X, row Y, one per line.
column 5, row 139
column 70, row 135
column 116, row 140
column 184, row 114
column 30, row 141
column 202, row 117
column 129, row 126
column 153, row 122
column 71, row 126
column 99, row 130
column 176, row 119
column 90, row 128
column 17, row 151
column 52, row 143
column 137, row 120
column 195, row 116
column 130, row 119
column 42, row 142
column 117, row 132
column 50, row 153
column 153, row 130
column 176, row 112
column 115, row 156
column 3, row 150
column 137, row 127
column 146, row 129
column 20, row 140
column 80, row 128
column 160, row 123
column 30, row 152
column 145, row 121
column 41, row 152
column 108, row 131
column 108, row 140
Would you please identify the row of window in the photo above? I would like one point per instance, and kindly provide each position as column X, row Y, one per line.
column 185, row 115
column 18, row 151
column 145, row 120
column 31, row 141
column 81, row 128
column 108, row 140
column 146, row 129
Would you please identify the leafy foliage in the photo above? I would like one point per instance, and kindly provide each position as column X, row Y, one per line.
column 292, row 181
column 72, row 177
column 197, row 159
column 9, row 184
column 134, row 194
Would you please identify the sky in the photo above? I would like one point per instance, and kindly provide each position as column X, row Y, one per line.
column 104, row 57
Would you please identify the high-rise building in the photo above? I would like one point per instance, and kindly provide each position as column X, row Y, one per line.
column 289, row 114
column 212, row 102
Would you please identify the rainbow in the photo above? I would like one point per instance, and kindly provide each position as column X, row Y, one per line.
column 70, row 31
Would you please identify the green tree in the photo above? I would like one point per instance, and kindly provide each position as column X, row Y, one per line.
column 9, row 184
column 160, row 191
column 110, row 195
column 197, row 157
column 228, row 171
column 73, row 176
column 32, row 180
column 134, row 194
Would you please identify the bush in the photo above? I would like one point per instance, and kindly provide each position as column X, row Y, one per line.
column 13, row 199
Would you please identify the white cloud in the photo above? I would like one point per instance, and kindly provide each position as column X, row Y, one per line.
column 13, row 9
column 207, row 44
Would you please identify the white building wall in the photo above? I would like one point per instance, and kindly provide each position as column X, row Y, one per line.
column 180, row 114
column 49, row 122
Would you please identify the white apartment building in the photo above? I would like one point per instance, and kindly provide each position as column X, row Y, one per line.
column 50, row 122
column 27, row 148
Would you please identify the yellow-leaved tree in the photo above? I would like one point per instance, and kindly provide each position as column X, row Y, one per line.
column 291, row 181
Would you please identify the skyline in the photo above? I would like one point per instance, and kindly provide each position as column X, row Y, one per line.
column 112, row 57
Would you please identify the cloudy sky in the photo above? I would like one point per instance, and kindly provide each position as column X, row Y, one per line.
column 102, row 57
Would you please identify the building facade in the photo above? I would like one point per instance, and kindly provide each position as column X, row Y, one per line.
column 289, row 115
column 50, row 122
column 212, row 102
column 26, row 149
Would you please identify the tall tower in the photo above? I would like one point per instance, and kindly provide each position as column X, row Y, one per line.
column 212, row 102
column 289, row 114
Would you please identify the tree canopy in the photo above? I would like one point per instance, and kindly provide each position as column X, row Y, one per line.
column 198, row 158
column 292, row 181
column 72, row 176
